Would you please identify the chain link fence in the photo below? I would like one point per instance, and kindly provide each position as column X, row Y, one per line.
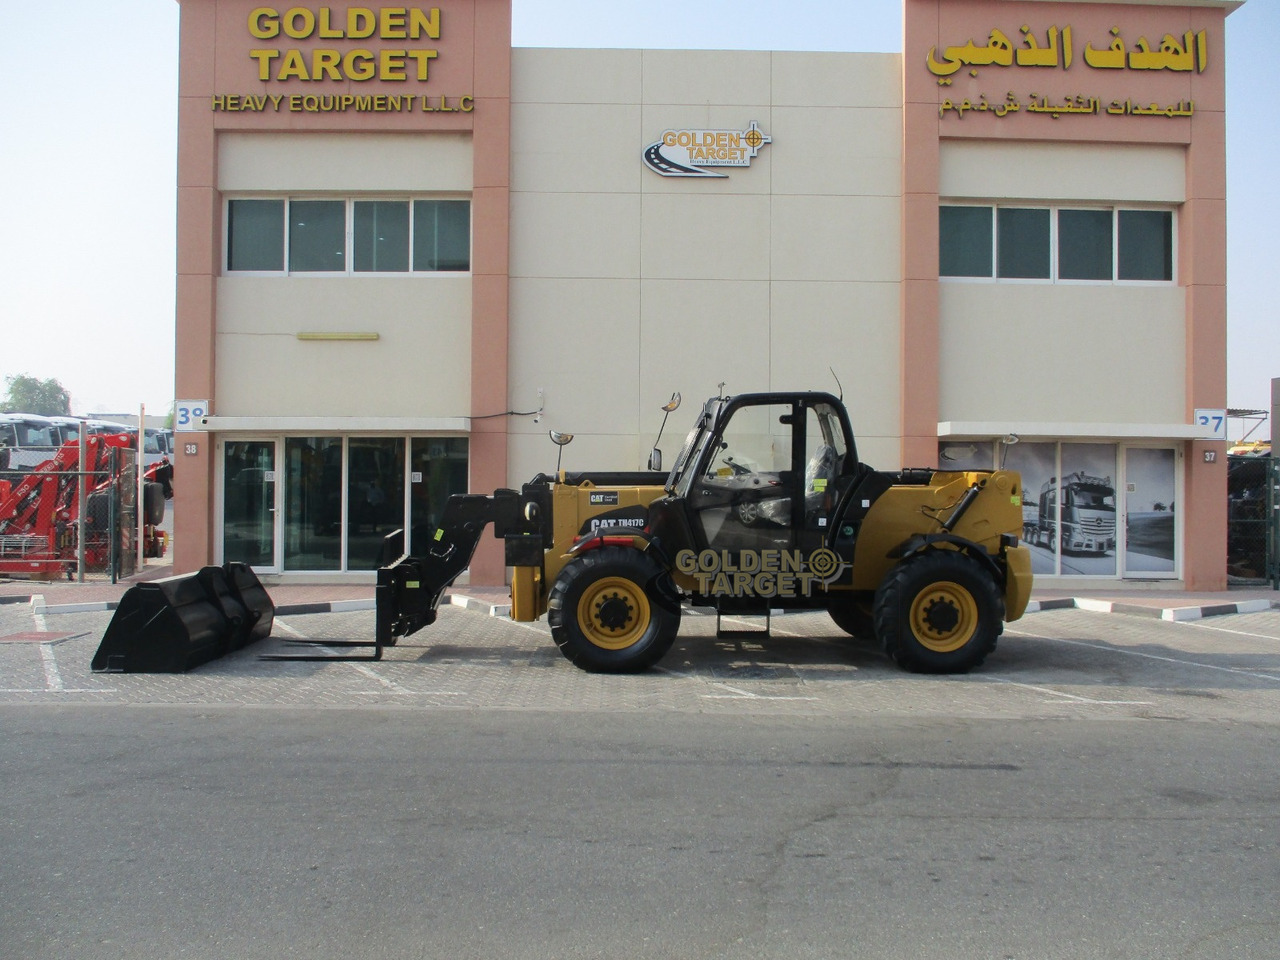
column 61, row 522
column 1253, row 521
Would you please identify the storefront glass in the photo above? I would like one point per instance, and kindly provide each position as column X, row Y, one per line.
column 339, row 497
column 313, row 503
column 1088, row 509
column 437, row 470
column 1150, row 519
column 248, row 502
column 375, row 497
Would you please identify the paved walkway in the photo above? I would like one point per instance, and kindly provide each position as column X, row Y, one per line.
column 318, row 597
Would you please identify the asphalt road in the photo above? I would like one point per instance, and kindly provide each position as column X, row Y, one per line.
column 1106, row 786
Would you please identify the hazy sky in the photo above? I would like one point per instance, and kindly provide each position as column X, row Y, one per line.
column 88, row 148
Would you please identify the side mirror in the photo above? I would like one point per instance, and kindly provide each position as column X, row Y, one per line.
column 655, row 457
column 560, row 440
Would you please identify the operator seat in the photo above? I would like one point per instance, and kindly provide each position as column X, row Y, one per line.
column 821, row 466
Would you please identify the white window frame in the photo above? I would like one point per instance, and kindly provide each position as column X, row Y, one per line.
column 349, row 203
column 1053, row 209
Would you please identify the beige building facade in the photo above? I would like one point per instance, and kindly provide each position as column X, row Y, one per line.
column 407, row 250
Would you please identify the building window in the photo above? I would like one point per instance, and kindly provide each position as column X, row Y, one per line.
column 1146, row 245
column 1084, row 245
column 255, row 235
column 442, row 235
column 1055, row 244
column 381, row 236
column 964, row 249
column 348, row 236
column 317, row 236
column 1023, row 238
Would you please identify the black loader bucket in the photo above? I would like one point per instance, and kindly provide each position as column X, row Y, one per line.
column 174, row 624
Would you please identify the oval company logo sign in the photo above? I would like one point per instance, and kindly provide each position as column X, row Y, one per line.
column 688, row 153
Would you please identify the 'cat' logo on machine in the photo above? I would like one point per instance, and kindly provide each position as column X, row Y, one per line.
column 628, row 518
column 604, row 499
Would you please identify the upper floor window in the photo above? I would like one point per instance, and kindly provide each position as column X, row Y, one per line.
column 347, row 236
column 1055, row 243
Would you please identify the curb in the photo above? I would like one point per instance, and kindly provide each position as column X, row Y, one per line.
column 38, row 606
column 481, row 606
column 340, row 606
column 1175, row 614
column 332, row 606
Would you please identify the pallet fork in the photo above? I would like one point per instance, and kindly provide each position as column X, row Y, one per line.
column 409, row 588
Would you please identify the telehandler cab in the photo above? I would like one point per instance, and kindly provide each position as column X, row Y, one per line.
column 767, row 507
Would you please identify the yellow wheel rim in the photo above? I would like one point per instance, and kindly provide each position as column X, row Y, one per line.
column 613, row 613
column 944, row 616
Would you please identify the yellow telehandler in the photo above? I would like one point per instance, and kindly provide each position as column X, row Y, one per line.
column 767, row 507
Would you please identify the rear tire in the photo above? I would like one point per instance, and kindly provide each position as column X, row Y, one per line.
column 939, row 612
column 153, row 502
column 609, row 613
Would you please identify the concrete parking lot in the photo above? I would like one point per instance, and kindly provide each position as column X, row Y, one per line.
column 1104, row 787
column 1056, row 663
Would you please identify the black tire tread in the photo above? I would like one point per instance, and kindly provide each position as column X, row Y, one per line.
column 852, row 616
column 562, row 617
column 912, row 575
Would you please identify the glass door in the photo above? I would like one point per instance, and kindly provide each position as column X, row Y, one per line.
column 1150, row 517
column 750, row 494
column 312, row 485
column 375, row 497
column 249, row 503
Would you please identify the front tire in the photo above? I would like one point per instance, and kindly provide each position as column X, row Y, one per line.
column 609, row 612
column 939, row 612
column 853, row 616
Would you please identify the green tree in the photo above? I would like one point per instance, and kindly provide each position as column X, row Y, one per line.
column 48, row 398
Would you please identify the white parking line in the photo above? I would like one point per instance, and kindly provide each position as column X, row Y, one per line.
column 1238, row 633
column 1065, row 696
column 288, row 629
column 389, row 686
column 536, row 626
column 410, row 693
column 373, row 675
column 734, row 692
column 52, row 678
column 1149, row 656
column 752, row 696
column 358, row 667
column 53, row 682
column 64, row 690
